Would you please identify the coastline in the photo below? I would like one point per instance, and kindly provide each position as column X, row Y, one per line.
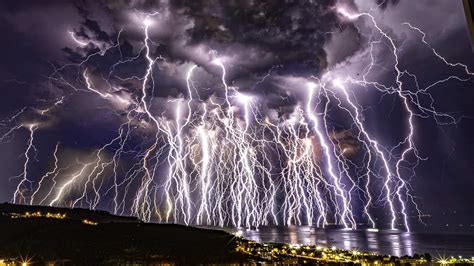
column 60, row 236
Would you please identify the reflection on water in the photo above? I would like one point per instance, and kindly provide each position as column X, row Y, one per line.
column 391, row 242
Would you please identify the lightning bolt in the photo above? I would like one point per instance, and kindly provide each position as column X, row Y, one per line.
column 222, row 161
column 18, row 196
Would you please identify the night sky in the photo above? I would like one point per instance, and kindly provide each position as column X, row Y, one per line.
column 269, row 49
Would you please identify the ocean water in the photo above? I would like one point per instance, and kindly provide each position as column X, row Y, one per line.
column 385, row 242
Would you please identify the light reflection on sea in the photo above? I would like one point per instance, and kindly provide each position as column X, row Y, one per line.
column 385, row 242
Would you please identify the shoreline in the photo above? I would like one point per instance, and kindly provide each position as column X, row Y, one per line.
column 60, row 236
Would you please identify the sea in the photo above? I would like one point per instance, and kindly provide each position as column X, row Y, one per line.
column 385, row 242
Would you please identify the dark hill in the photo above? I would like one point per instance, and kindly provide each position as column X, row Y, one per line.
column 73, row 214
column 113, row 240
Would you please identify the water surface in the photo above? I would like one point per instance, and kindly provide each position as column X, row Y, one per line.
column 392, row 242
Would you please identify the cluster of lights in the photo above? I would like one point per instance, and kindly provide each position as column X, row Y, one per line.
column 39, row 214
column 89, row 222
column 455, row 260
column 304, row 253
column 14, row 262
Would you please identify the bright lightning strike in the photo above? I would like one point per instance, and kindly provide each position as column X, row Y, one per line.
column 222, row 161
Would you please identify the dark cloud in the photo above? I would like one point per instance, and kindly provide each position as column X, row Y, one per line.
column 291, row 32
column 269, row 47
column 254, row 37
column 386, row 3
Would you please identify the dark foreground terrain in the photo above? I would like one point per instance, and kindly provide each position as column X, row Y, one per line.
column 82, row 237
column 38, row 235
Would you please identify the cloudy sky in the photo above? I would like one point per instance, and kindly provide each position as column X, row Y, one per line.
column 267, row 47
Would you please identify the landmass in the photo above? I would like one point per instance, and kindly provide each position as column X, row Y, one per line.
column 39, row 235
